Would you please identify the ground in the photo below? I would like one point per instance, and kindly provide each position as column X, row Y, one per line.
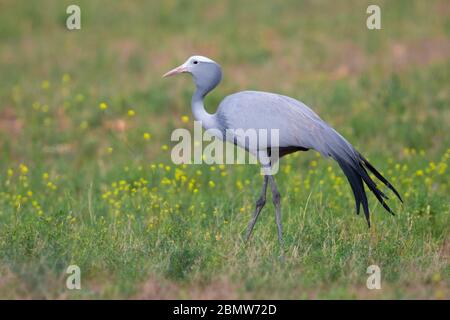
column 86, row 176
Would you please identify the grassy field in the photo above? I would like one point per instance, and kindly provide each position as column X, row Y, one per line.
column 86, row 176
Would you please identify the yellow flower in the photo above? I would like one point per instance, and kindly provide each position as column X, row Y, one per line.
column 45, row 176
column 165, row 181
column 10, row 172
column 211, row 184
column 131, row 113
column 440, row 294
column 442, row 168
column 50, row 185
column 109, row 150
column 165, row 147
column 419, row 173
column 103, row 106
column 436, row 277
column 23, row 169
column 185, row 119
column 66, row 78
column 147, row 136
column 45, row 85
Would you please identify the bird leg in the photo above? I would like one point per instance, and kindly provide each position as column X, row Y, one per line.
column 259, row 205
column 276, row 197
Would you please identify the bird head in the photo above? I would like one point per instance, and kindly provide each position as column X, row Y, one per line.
column 206, row 72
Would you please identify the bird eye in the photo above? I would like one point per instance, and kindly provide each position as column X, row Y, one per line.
column 195, row 62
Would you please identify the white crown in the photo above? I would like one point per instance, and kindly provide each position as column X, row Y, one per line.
column 201, row 58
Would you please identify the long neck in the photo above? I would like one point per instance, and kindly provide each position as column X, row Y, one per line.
column 198, row 109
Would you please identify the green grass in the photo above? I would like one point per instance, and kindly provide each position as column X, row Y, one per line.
column 81, row 185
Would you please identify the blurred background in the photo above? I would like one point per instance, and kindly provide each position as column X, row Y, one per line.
column 85, row 170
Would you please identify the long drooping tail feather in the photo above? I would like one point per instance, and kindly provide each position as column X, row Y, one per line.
column 380, row 177
column 354, row 166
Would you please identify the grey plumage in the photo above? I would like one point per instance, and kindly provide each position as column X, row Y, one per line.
column 299, row 127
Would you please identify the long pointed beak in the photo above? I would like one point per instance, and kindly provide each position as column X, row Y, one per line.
column 177, row 70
